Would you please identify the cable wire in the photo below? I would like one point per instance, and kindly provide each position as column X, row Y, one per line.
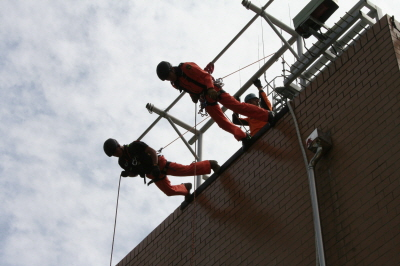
column 248, row 65
column 194, row 190
column 194, row 127
column 115, row 221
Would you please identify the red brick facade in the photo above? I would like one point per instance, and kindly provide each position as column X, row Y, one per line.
column 258, row 211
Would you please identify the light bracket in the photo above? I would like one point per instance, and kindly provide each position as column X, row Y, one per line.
column 313, row 15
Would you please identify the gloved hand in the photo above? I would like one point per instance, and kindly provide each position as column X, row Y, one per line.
column 124, row 174
column 155, row 171
column 257, row 83
column 213, row 94
column 209, row 68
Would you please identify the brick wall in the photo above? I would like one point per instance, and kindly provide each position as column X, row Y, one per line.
column 258, row 211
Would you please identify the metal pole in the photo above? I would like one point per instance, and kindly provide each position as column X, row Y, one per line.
column 154, row 109
column 158, row 118
column 182, row 138
column 314, row 203
column 300, row 53
column 271, row 23
column 280, row 36
column 274, row 20
column 240, row 33
column 199, row 156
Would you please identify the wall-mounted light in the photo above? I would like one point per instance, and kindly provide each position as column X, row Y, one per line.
column 313, row 15
column 318, row 139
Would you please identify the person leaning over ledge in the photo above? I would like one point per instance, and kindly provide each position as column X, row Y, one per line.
column 190, row 78
column 138, row 158
column 254, row 124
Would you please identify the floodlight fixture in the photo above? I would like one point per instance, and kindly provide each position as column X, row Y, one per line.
column 312, row 17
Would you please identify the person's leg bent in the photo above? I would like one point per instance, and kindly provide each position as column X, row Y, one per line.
column 245, row 109
column 198, row 168
column 216, row 113
column 165, row 186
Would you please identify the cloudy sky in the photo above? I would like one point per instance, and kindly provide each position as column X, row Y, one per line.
column 74, row 73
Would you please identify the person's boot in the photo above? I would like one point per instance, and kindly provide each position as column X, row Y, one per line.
column 271, row 118
column 188, row 186
column 246, row 142
column 214, row 166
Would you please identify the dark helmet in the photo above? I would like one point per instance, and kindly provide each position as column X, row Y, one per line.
column 163, row 70
column 110, row 146
column 249, row 97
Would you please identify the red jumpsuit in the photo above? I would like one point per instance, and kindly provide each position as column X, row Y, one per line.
column 176, row 169
column 136, row 161
column 254, row 124
column 194, row 80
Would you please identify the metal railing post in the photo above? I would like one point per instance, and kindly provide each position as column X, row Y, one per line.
column 199, row 155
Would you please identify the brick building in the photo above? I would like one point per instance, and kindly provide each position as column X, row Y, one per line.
column 258, row 210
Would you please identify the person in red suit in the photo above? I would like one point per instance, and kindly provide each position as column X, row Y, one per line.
column 138, row 158
column 263, row 101
column 189, row 77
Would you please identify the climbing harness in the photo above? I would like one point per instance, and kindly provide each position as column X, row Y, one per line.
column 203, row 102
column 202, row 110
column 163, row 172
column 219, row 82
column 180, row 73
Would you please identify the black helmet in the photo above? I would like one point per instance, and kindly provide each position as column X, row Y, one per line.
column 163, row 70
column 249, row 97
column 110, row 146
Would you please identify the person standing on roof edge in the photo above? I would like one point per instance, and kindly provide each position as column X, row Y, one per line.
column 200, row 85
column 254, row 124
column 138, row 158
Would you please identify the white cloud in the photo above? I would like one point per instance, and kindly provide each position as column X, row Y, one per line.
column 74, row 73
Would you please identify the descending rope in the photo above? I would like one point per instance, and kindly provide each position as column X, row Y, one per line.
column 115, row 221
column 262, row 38
column 194, row 189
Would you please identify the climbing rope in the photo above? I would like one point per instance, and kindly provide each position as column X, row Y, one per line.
column 194, row 189
column 115, row 221
column 248, row 65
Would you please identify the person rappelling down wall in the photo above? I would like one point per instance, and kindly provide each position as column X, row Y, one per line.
column 138, row 158
column 262, row 100
column 200, row 85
